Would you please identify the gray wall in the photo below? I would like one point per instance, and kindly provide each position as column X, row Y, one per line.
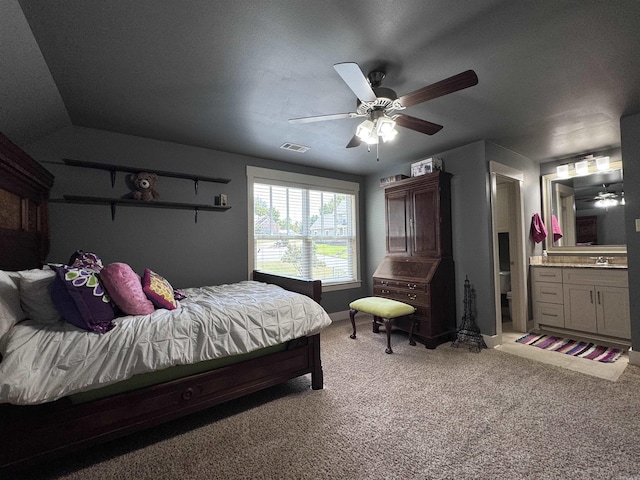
column 211, row 251
column 630, row 134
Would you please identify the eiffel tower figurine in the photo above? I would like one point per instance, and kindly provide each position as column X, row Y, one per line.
column 469, row 331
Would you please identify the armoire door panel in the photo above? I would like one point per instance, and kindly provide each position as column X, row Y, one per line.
column 397, row 224
column 426, row 221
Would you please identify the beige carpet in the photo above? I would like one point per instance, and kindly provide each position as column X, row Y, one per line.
column 417, row 414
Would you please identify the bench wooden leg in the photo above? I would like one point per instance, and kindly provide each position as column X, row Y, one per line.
column 388, row 325
column 352, row 317
column 376, row 324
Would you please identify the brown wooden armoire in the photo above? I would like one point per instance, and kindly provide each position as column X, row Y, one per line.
column 418, row 268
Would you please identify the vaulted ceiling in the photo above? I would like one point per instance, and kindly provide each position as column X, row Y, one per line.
column 555, row 76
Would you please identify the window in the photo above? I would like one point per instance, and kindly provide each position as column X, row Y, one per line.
column 304, row 226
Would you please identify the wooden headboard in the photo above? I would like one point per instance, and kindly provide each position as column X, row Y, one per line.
column 24, row 194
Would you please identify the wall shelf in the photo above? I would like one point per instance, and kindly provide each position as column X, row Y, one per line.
column 113, row 202
column 121, row 168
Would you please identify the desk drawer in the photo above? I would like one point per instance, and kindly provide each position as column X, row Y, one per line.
column 396, row 284
column 411, row 297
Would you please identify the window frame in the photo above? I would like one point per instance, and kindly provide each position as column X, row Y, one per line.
column 308, row 182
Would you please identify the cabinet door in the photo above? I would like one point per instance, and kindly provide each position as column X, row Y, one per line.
column 613, row 311
column 425, row 236
column 397, row 219
column 580, row 308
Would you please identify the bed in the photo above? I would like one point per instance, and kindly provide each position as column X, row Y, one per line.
column 82, row 416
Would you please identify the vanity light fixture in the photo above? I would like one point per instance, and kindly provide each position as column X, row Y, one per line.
column 582, row 168
column 562, row 171
column 602, row 163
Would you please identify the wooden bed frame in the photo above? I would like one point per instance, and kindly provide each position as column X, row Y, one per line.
column 32, row 434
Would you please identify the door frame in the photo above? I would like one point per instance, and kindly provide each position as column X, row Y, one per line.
column 519, row 297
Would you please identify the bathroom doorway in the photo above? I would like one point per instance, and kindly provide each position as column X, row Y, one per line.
column 509, row 262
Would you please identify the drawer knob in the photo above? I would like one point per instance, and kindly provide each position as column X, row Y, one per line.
column 412, row 296
column 188, row 394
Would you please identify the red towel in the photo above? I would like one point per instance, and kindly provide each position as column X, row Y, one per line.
column 555, row 228
column 538, row 230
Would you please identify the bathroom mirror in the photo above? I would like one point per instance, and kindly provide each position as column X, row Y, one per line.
column 589, row 210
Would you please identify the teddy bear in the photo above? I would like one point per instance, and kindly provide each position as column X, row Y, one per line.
column 143, row 186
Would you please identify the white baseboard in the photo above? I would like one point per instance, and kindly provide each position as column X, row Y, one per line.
column 492, row 341
column 339, row 316
column 634, row 357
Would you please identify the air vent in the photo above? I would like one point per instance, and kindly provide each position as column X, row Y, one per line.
column 294, row 147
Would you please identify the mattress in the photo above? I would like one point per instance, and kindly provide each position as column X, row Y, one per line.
column 42, row 363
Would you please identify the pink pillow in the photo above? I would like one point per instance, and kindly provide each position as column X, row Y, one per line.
column 125, row 289
column 158, row 290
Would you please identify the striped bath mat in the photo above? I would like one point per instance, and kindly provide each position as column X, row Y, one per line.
column 572, row 347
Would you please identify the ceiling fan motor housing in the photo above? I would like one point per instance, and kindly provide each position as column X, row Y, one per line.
column 385, row 98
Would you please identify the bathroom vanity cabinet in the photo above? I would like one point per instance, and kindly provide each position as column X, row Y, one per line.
column 587, row 300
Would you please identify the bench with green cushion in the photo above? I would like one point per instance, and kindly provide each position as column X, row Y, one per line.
column 382, row 309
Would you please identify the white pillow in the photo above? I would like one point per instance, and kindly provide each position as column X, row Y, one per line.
column 35, row 295
column 10, row 311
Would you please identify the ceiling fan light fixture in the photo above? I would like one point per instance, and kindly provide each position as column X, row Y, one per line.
column 366, row 130
column 606, row 203
column 387, row 137
column 384, row 126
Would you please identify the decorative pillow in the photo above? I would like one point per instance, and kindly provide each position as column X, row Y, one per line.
column 124, row 286
column 158, row 290
column 81, row 300
column 35, row 295
column 87, row 260
column 10, row 311
column 179, row 294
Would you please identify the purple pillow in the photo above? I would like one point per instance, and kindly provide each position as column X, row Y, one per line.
column 124, row 286
column 81, row 300
column 87, row 260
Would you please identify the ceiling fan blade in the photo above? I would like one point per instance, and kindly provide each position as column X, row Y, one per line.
column 354, row 142
column 322, row 118
column 417, row 124
column 444, row 87
column 355, row 79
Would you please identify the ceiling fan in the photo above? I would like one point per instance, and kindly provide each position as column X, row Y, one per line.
column 381, row 105
column 606, row 198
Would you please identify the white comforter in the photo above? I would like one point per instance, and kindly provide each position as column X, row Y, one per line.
column 42, row 363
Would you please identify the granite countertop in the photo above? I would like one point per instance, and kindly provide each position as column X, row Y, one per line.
column 619, row 262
